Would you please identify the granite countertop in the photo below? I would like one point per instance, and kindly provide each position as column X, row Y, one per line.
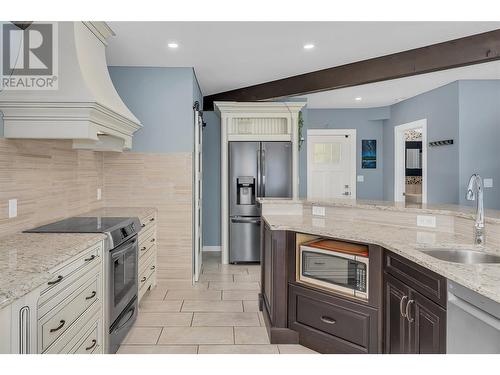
column 467, row 212
column 405, row 241
column 26, row 259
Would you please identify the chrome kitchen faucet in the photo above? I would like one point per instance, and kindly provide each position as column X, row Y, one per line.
column 475, row 192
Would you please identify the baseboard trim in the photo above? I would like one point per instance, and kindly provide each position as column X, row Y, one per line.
column 211, row 248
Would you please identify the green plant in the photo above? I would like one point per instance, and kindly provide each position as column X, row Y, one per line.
column 301, row 125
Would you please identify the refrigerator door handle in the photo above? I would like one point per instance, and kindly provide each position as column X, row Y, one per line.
column 258, row 175
column 263, row 167
column 242, row 220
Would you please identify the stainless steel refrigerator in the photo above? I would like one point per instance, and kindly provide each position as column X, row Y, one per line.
column 256, row 169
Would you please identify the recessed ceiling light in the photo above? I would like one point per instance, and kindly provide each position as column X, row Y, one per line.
column 172, row 45
column 308, row 46
column 358, row 98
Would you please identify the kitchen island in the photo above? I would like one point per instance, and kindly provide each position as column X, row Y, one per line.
column 400, row 271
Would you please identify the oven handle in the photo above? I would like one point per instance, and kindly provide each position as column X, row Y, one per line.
column 120, row 250
column 132, row 312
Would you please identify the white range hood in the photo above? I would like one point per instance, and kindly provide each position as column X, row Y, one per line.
column 85, row 108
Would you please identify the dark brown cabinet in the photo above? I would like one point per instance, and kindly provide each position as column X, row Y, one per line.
column 414, row 324
column 273, row 298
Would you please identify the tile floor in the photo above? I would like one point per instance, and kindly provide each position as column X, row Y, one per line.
column 219, row 315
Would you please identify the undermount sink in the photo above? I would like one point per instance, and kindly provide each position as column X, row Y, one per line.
column 462, row 256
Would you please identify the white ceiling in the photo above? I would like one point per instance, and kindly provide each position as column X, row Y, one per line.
column 229, row 55
column 389, row 92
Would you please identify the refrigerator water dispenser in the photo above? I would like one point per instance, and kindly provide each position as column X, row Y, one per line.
column 245, row 190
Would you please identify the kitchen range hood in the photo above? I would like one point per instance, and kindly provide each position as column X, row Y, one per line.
column 85, row 107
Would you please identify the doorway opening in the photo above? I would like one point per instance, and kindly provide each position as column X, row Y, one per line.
column 410, row 160
column 331, row 163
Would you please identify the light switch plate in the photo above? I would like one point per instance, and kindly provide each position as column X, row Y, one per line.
column 361, row 178
column 99, row 194
column 12, row 208
column 426, row 221
column 488, row 182
column 318, row 211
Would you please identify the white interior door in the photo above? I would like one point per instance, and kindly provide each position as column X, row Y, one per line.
column 331, row 163
column 197, row 201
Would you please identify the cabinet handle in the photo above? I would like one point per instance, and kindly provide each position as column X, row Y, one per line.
column 90, row 259
column 408, row 311
column 59, row 279
column 401, row 303
column 152, row 268
column 143, row 279
column 152, row 219
column 328, row 320
column 143, row 225
column 94, row 343
column 92, row 295
column 319, row 263
column 62, row 323
column 152, row 240
column 143, row 248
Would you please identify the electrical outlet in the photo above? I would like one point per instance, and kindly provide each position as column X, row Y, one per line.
column 99, row 194
column 318, row 211
column 426, row 221
column 361, row 178
column 488, row 182
column 12, row 208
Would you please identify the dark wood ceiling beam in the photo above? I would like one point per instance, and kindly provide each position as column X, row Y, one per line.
column 474, row 49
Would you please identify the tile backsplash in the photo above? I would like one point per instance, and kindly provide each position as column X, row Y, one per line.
column 49, row 179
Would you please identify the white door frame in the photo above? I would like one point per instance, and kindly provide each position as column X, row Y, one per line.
column 399, row 158
column 197, row 196
column 335, row 132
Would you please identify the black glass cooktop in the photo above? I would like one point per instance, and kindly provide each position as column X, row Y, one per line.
column 82, row 225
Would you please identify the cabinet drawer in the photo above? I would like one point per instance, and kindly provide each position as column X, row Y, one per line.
column 59, row 319
column 145, row 274
column 90, row 342
column 148, row 221
column 424, row 281
column 146, row 246
column 350, row 327
column 146, row 234
column 70, row 272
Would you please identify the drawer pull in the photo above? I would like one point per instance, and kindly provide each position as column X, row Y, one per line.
column 410, row 320
column 90, row 259
column 92, row 295
column 143, row 279
column 59, row 279
column 152, row 240
column 152, row 268
column 328, row 320
column 319, row 263
column 152, row 219
column 94, row 343
column 401, row 303
column 143, row 248
column 62, row 323
column 143, row 225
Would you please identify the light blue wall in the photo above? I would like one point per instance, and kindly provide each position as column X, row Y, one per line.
column 440, row 108
column 369, row 125
column 162, row 99
column 480, row 137
column 211, row 179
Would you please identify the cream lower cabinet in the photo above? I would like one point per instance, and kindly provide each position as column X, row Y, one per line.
column 63, row 316
column 147, row 255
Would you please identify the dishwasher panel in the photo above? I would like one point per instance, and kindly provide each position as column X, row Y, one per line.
column 473, row 322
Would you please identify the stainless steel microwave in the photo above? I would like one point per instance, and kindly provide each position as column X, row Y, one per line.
column 334, row 266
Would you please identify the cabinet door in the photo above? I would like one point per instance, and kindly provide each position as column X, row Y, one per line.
column 396, row 296
column 427, row 325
